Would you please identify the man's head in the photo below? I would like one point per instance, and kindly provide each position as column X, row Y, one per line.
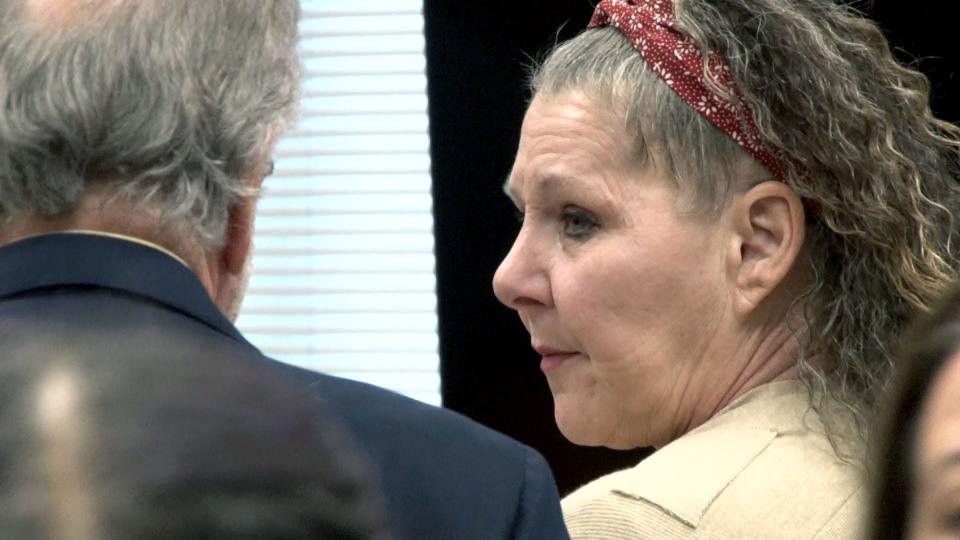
column 132, row 435
column 152, row 118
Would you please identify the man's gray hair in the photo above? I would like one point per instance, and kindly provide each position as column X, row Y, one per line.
column 165, row 102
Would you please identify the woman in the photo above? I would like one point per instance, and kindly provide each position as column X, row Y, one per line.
column 730, row 210
column 918, row 470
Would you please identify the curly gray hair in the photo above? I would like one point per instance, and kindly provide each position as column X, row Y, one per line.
column 165, row 102
column 866, row 151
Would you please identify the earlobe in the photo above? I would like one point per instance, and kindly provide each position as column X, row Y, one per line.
column 768, row 222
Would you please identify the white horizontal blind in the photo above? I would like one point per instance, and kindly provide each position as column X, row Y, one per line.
column 343, row 279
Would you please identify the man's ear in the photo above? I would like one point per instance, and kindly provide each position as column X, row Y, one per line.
column 769, row 225
column 239, row 239
column 240, row 225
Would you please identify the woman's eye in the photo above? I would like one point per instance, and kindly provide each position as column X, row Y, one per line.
column 578, row 223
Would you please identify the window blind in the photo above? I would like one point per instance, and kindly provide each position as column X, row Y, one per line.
column 343, row 270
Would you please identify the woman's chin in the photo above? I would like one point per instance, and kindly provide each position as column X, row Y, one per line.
column 589, row 430
column 578, row 427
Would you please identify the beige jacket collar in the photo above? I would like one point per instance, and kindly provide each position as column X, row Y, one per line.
column 733, row 437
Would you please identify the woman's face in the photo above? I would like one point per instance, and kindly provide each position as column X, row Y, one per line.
column 935, row 510
column 624, row 297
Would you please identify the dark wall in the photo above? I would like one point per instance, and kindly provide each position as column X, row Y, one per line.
column 919, row 36
column 476, row 58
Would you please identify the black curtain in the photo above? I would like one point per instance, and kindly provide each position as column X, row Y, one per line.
column 477, row 54
column 922, row 36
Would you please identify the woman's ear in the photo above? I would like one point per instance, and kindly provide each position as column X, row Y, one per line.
column 768, row 223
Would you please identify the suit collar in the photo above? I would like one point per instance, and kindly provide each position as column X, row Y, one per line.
column 133, row 239
column 64, row 259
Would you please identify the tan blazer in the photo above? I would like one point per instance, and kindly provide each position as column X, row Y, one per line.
column 759, row 469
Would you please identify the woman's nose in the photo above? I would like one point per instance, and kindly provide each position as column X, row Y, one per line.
column 521, row 280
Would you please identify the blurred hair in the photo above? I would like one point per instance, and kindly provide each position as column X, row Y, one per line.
column 862, row 148
column 123, row 439
column 927, row 348
column 166, row 102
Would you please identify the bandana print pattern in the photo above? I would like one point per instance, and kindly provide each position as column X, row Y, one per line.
column 650, row 25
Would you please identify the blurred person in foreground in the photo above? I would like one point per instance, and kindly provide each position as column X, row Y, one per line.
column 168, row 441
column 730, row 210
column 134, row 137
column 917, row 455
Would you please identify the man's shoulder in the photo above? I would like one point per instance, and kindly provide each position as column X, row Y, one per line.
column 375, row 412
column 445, row 475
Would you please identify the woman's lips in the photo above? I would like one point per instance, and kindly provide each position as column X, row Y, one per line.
column 551, row 357
column 550, row 362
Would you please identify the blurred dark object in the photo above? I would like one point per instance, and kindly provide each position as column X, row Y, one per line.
column 477, row 55
column 129, row 434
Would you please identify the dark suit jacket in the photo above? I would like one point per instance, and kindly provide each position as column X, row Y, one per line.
column 443, row 475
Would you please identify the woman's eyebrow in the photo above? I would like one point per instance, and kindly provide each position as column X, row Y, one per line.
column 545, row 183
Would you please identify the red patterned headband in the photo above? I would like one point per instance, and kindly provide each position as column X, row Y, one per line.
column 651, row 26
